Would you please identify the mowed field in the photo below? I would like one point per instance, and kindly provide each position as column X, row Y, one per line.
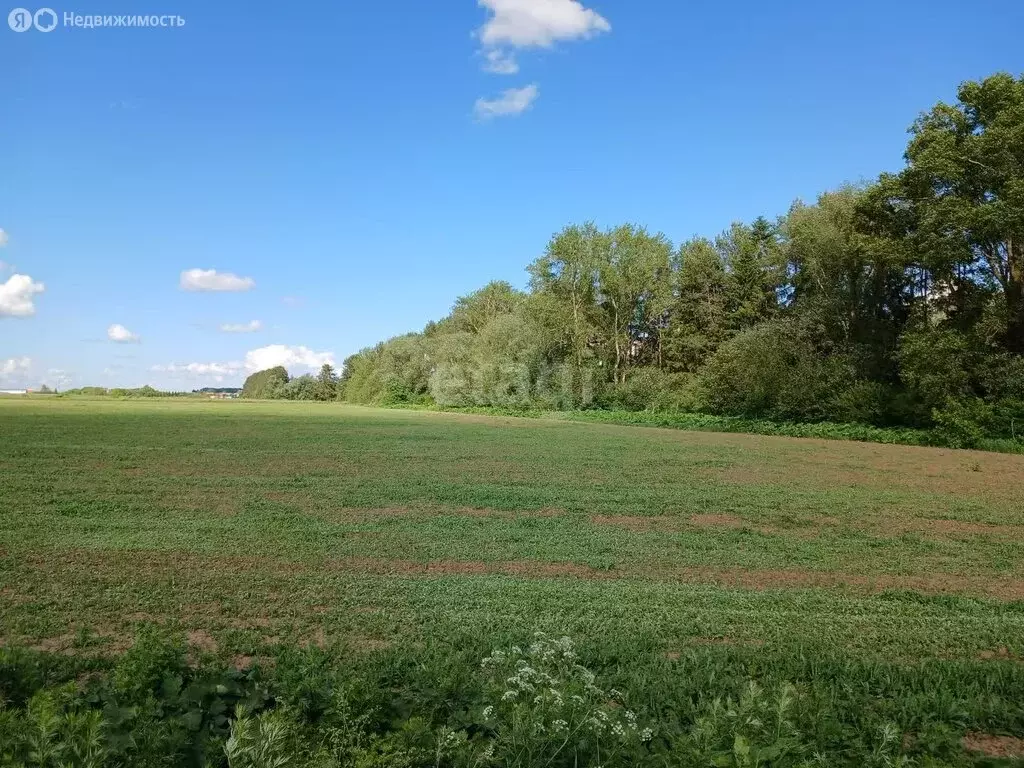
column 251, row 525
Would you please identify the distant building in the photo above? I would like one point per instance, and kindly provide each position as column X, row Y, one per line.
column 14, row 391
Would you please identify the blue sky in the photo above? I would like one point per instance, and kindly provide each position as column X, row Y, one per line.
column 357, row 164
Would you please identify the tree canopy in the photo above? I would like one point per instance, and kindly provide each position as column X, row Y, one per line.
column 899, row 302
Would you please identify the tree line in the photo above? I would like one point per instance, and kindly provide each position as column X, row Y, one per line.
column 899, row 302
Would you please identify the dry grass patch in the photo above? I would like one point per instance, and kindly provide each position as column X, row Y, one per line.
column 991, row 745
column 202, row 641
column 826, row 464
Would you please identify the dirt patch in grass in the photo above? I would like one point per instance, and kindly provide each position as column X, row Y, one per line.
column 255, row 622
column 949, row 529
column 504, row 514
column 525, row 568
column 9, row 596
column 827, row 464
column 991, row 745
column 757, row 579
column 59, row 644
column 670, row 524
column 1002, row 653
column 717, row 521
column 813, row 526
column 202, row 641
column 326, row 511
column 122, row 566
column 367, row 644
column 318, row 639
column 663, row 524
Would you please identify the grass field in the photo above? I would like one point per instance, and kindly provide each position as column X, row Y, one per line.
column 887, row 582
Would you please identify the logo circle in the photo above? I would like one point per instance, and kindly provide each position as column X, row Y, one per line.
column 40, row 20
column 20, row 20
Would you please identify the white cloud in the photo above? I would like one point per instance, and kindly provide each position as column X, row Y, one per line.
column 14, row 367
column 212, row 280
column 538, row 23
column 215, row 371
column 511, row 102
column 16, row 296
column 3, row 238
column 121, row 335
column 251, row 327
column 295, row 359
column 533, row 24
column 289, row 357
column 499, row 62
column 199, row 369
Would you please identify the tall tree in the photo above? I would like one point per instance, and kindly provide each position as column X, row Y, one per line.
column 471, row 313
column 265, row 384
column 631, row 265
column 697, row 320
column 565, row 277
column 326, row 384
column 853, row 286
column 961, row 196
column 753, row 261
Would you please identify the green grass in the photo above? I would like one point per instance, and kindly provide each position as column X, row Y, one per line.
column 860, row 570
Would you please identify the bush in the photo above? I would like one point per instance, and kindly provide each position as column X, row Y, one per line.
column 963, row 423
column 776, row 370
column 265, row 384
column 650, row 389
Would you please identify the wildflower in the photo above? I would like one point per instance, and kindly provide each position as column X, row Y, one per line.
column 646, row 734
column 509, row 695
column 488, row 710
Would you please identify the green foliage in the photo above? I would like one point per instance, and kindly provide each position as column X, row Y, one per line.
column 393, row 372
column 119, row 392
column 543, row 708
column 755, row 729
column 962, row 423
column 536, row 703
column 776, row 370
column 876, row 304
column 326, row 388
column 264, row 741
column 299, row 388
column 56, row 729
column 961, row 195
column 266, row 384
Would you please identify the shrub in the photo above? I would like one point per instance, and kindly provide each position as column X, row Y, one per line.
column 651, row 389
column 963, row 423
column 775, row 370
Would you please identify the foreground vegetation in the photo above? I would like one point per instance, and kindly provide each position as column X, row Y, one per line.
column 894, row 304
column 252, row 583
